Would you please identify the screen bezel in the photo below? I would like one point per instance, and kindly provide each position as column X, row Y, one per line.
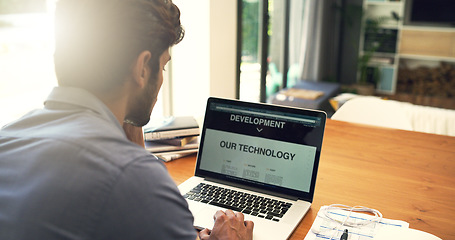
column 307, row 196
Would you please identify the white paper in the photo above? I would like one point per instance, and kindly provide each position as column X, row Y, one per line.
column 387, row 233
column 324, row 228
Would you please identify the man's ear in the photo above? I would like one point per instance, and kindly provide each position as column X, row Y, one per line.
column 141, row 69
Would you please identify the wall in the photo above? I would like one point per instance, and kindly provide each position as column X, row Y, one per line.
column 204, row 63
column 223, row 48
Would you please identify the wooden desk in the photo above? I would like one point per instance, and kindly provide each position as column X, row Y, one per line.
column 406, row 175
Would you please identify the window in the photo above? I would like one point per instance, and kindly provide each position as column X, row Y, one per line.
column 264, row 43
column 26, row 62
column 26, row 57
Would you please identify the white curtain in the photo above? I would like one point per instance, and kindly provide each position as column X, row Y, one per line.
column 314, row 38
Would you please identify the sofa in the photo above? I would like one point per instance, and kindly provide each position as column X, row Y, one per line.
column 394, row 114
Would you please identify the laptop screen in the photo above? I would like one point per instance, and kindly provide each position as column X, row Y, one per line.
column 266, row 147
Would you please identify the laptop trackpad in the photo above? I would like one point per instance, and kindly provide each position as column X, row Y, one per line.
column 204, row 218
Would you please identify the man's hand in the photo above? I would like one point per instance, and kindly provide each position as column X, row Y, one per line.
column 134, row 134
column 229, row 226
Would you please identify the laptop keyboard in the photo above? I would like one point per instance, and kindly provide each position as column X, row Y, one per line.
column 258, row 206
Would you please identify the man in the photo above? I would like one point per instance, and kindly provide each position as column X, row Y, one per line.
column 68, row 171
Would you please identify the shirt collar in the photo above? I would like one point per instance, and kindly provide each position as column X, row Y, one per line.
column 83, row 98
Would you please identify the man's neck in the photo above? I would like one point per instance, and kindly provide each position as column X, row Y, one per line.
column 116, row 101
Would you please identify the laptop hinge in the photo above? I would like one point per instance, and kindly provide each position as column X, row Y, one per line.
column 293, row 198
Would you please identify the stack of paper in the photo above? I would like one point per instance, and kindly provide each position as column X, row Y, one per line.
column 325, row 228
column 172, row 137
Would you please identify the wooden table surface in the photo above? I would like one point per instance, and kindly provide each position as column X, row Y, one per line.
column 405, row 175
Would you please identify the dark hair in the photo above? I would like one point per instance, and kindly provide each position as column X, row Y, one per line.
column 98, row 40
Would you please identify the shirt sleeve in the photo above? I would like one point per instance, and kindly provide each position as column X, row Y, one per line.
column 145, row 204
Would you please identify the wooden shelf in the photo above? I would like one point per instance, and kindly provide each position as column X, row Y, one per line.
column 428, row 28
column 387, row 3
column 418, row 45
column 427, row 43
column 426, row 57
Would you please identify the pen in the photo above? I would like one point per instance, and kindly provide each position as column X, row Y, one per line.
column 344, row 236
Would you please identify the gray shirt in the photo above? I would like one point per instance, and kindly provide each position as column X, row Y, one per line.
column 67, row 171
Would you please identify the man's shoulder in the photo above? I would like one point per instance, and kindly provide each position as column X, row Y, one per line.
column 82, row 137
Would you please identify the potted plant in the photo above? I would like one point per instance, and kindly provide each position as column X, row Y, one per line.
column 369, row 74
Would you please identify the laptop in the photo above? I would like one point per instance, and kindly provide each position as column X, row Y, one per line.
column 258, row 159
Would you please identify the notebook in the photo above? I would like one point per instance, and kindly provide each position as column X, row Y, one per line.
column 258, row 159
